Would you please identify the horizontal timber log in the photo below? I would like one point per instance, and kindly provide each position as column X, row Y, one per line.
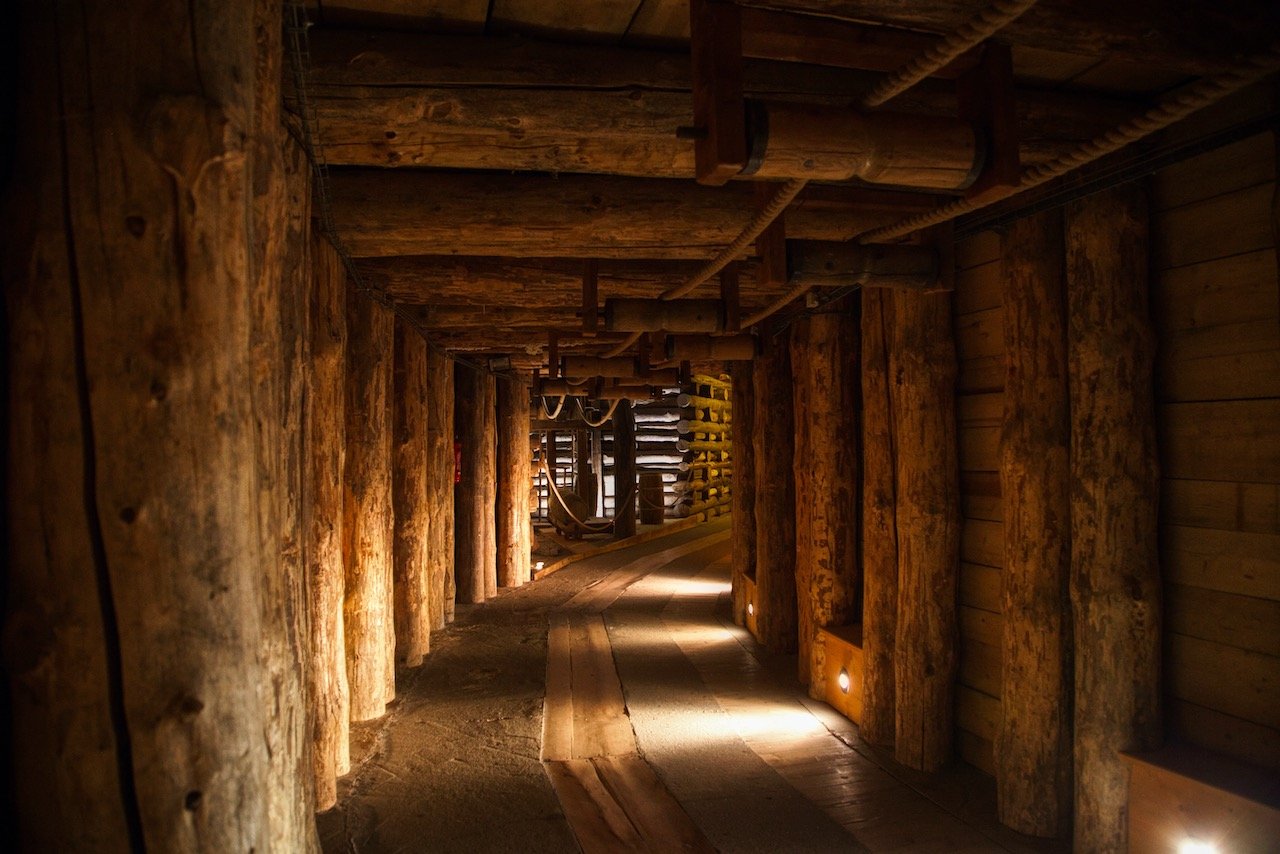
column 645, row 315
column 594, row 366
column 840, row 264
column 711, row 427
column 396, row 99
column 731, row 347
column 381, row 213
column 694, row 401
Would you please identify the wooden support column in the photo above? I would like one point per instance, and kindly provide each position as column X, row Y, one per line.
column 474, row 508
column 584, row 479
column 744, row 488
column 879, row 524
column 773, row 438
column 409, row 497
column 367, row 512
column 922, row 368
column 440, row 466
column 489, row 478
column 1115, row 576
column 1033, row 748
column 828, row 580
column 324, row 452
column 624, row 470
column 515, row 531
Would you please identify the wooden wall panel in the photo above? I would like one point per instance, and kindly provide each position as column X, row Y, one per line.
column 1216, row 306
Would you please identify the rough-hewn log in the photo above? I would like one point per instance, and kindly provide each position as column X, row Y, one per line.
column 1115, row 576
column 380, row 213
column 474, row 508
column 731, row 348
column 744, row 488
column 440, row 469
column 839, row 264
column 922, row 364
column 624, row 470
column 584, row 482
column 490, row 467
column 325, row 455
column 514, row 531
column 136, row 562
column 772, row 439
column 644, row 315
column 624, row 367
column 409, row 497
column 1033, row 748
column 879, row 525
column 824, row 362
column 368, row 612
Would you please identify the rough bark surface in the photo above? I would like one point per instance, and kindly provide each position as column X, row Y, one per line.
column 879, row 525
column 367, row 512
column 828, row 579
column 490, row 480
column 409, row 497
column 922, row 366
column 744, row 486
column 624, row 470
column 1115, row 575
column 440, row 466
column 474, row 508
column 1033, row 748
column 775, row 500
column 515, row 530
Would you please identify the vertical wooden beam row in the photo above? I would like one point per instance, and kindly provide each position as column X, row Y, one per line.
column 475, row 541
column 440, row 476
column 489, row 478
column 409, row 497
column 624, row 470
column 1115, row 575
column 879, row 523
column 776, row 616
column 922, row 367
column 515, row 531
column 744, row 488
column 1033, row 745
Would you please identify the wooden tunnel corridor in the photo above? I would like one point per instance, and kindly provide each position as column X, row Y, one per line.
column 665, row 727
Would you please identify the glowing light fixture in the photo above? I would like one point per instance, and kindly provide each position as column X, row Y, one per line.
column 843, row 681
column 751, row 610
column 539, row 565
column 1196, row 846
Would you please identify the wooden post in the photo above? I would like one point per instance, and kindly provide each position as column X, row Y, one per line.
column 828, row 581
column 440, row 486
column 744, row 489
column 474, row 508
column 1033, row 747
column 879, row 525
column 1115, row 576
column 515, row 532
column 773, row 438
column 584, row 480
column 489, row 477
column 624, row 471
column 325, row 453
column 367, row 522
column 922, row 366
column 409, row 497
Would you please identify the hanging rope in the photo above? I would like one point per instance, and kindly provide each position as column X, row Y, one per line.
column 592, row 527
column 551, row 416
column 626, row 345
column 582, row 412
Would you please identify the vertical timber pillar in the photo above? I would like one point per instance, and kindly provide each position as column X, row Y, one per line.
column 773, row 438
column 1033, row 746
column 922, row 367
column 879, row 524
column 584, row 480
column 744, row 485
column 489, row 477
column 409, row 497
column 367, row 522
column 624, row 471
column 325, row 455
column 515, row 531
column 475, row 543
column 440, row 476
column 828, row 581
column 1115, row 575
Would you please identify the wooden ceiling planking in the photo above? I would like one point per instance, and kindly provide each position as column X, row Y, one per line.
column 1130, row 78
column 443, row 15
column 597, row 20
column 660, row 22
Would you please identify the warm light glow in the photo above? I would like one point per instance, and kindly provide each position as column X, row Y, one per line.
column 539, row 565
column 1196, row 846
column 751, row 610
column 843, row 680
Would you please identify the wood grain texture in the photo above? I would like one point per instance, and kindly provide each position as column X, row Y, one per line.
column 624, row 471
column 440, row 489
column 744, row 490
column 514, row 529
column 1115, row 578
column 1033, row 755
column 409, row 496
column 773, row 439
column 474, row 533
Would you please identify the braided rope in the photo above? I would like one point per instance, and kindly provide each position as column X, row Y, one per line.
column 1170, row 110
column 969, row 35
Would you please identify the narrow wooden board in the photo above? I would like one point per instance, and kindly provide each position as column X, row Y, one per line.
column 1233, row 681
column 557, row 705
column 600, row 723
column 982, row 542
column 1248, row 507
column 661, row 821
column 597, row 821
column 1247, row 564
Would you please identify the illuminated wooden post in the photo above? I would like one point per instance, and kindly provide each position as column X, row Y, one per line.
column 624, row 470
column 475, row 543
column 409, row 497
column 775, row 500
column 440, row 476
column 514, row 532
column 744, row 495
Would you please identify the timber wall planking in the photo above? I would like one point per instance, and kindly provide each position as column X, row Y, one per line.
column 1216, row 306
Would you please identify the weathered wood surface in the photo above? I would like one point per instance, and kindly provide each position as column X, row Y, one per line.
column 409, row 496
column 368, row 612
column 489, row 551
column 514, row 530
column 879, row 539
column 922, row 367
column 137, row 565
column 773, row 438
column 440, row 489
column 1033, row 752
column 1115, row 576
column 474, row 533
column 624, row 472
column 743, row 478
column 325, row 454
